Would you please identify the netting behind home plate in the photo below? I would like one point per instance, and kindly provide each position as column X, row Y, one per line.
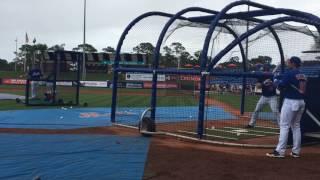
column 230, row 99
column 211, row 77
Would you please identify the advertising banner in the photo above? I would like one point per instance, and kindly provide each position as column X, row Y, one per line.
column 161, row 85
column 14, row 81
column 138, row 85
column 143, row 77
column 94, row 83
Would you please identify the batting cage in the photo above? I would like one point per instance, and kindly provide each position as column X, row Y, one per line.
column 55, row 80
column 206, row 76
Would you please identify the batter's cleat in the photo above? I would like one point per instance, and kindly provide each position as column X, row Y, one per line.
column 249, row 126
column 275, row 154
column 294, row 155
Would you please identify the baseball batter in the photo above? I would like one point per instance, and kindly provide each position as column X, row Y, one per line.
column 268, row 97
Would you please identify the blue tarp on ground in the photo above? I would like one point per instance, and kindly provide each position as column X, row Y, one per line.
column 60, row 118
column 67, row 118
column 72, row 156
column 173, row 114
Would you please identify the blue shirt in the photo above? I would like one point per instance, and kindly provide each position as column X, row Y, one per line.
column 288, row 80
column 35, row 74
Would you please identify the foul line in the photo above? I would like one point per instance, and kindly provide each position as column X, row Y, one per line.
column 267, row 127
column 244, row 133
column 253, row 130
column 209, row 135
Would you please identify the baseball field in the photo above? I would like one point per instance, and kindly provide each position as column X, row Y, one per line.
column 87, row 144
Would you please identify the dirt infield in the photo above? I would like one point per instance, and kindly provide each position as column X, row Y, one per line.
column 172, row 158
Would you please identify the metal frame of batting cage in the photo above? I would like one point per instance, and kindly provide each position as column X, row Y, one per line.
column 204, row 71
column 57, row 56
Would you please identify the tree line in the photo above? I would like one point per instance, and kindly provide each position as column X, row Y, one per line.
column 173, row 55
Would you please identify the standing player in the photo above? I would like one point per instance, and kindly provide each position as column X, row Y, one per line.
column 34, row 74
column 49, row 94
column 268, row 97
column 293, row 85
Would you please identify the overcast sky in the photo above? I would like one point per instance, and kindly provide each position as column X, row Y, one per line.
column 61, row 21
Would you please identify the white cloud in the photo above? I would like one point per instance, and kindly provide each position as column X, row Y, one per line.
column 61, row 21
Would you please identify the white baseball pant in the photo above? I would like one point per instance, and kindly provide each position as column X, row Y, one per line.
column 291, row 113
column 34, row 87
column 273, row 103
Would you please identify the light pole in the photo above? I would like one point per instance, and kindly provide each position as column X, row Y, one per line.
column 247, row 39
column 84, row 42
column 34, row 51
column 16, row 59
column 24, row 54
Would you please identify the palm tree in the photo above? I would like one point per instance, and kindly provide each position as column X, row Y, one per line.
column 57, row 47
column 33, row 53
column 109, row 49
column 146, row 48
column 87, row 48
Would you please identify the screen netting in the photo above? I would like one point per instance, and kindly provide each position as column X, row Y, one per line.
column 230, row 99
column 225, row 92
column 134, row 88
column 59, row 81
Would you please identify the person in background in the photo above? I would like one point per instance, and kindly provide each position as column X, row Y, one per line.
column 293, row 87
column 34, row 76
column 268, row 97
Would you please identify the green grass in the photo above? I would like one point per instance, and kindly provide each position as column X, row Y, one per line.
column 11, row 105
column 234, row 134
column 65, row 75
column 135, row 101
column 239, row 133
column 10, row 74
column 257, row 130
column 235, row 101
column 126, row 98
column 89, row 76
column 94, row 100
column 133, row 98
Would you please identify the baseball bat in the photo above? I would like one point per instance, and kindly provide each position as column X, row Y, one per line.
column 307, row 110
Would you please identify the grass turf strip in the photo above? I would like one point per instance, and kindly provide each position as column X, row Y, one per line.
column 234, row 133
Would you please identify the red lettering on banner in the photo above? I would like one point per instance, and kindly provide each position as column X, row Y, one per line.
column 190, row 78
column 183, row 77
column 14, row 81
column 161, row 85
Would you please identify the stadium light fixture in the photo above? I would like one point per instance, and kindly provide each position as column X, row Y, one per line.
column 84, row 41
